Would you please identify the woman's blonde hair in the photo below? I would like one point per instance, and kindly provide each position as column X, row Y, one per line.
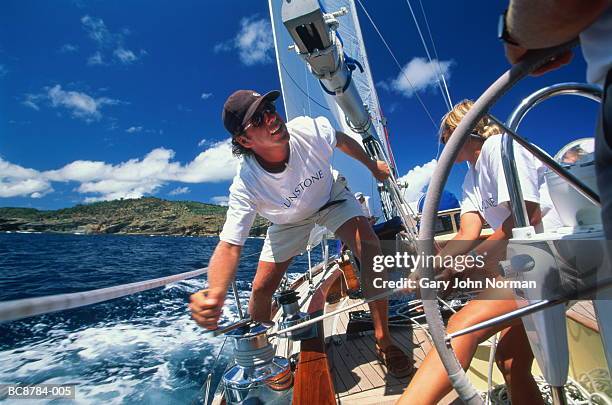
column 485, row 128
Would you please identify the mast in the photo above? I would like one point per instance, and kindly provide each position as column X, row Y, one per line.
column 318, row 42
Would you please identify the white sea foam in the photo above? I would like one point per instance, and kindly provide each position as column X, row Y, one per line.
column 158, row 359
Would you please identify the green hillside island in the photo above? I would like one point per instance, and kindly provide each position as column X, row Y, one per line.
column 147, row 215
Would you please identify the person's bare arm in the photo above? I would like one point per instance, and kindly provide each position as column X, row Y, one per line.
column 206, row 305
column 493, row 249
column 505, row 231
column 469, row 230
column 380, row 170
column 545, row 23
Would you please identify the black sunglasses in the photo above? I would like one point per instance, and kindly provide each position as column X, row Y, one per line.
column 258, row 117
column 443, row 140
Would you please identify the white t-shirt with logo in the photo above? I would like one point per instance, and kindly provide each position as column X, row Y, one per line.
column 290, row 196
column 596, row 44
column 485, row 190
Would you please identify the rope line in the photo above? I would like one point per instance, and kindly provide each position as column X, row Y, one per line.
column 302, row 90
column 433, row 45
column 24, row 308
column 27, row 307
column 433, row 65
column 399, row 65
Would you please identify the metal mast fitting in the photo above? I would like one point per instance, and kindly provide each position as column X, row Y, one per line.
column 313, row 32
column 316, row 41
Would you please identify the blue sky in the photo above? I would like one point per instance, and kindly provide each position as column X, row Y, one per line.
column 101, row 100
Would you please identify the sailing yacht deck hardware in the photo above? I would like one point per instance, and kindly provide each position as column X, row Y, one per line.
column 292, row 316
column 258, row 377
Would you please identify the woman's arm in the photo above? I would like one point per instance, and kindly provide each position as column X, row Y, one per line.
column 469, row 230
column 493, row 249
column 504, row 232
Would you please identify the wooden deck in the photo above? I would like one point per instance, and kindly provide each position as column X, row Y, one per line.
column 358, row 378
column 357, row 372
column 583, row 312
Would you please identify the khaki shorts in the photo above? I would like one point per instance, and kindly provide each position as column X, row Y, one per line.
column 288, row 240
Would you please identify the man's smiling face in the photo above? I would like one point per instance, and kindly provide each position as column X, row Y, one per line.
column 266, row 130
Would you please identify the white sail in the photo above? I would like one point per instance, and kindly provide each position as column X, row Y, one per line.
column 303, row 94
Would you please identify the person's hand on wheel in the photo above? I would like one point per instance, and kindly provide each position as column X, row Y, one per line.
column 515, row 54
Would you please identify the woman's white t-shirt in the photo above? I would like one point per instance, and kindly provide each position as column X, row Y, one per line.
column 485, row 190
column 287, row 197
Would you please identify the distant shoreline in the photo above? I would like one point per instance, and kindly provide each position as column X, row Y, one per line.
column 147, row 216
column 111, row 234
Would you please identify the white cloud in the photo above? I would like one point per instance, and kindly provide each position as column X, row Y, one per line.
column 417, row 179
column 133, row 130
column 31, row 101
column 220, row 200
column 18, row 181
column 110, row 45
column 253, row 42
column 213, row 165
column 206, row 96
column 130, row 179
column 68, row 48
column 97, row 30
column 125, row 55
column 81, row 105
column 421, row 73
column 179, row 190
column 95, row 59
column 81, row 171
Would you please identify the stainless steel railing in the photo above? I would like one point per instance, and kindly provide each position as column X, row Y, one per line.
column 517, row 204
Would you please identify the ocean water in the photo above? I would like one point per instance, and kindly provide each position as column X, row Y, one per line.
column 139, row 349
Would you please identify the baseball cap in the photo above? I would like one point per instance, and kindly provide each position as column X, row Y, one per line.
column 240, row 107
column 358, row 195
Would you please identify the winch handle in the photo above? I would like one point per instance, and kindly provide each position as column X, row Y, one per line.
column 223, row 329
column 228, row 328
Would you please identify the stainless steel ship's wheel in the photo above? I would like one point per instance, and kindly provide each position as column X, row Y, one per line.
column 534, row 59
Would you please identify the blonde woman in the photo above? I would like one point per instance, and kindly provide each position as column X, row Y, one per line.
column 485, row 199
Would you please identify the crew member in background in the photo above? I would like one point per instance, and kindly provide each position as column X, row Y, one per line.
column 286, row 176
column 485, row 199
column 365, row 206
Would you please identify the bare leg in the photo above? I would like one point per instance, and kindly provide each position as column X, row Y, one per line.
column 266, row 281
column 430, row 383
column 358, row 234
column 514, row 359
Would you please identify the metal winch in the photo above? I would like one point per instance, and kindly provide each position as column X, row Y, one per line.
column 258, row 377
column 292, row 316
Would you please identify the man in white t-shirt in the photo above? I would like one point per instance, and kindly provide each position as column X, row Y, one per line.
column 286, row 176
